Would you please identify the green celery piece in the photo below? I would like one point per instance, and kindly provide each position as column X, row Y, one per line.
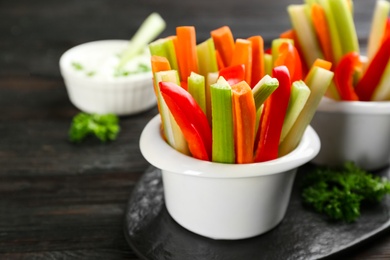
column 164, row 47
column 306, row 35
column 378, row 25
column 318, row 80
column 153, row 25
column 275, row 47
column 300, row 92
column 197, row 89
column 268, row 64
column 212, row 78
column 263, row 89
column 335, row 39
column 382, row 91
column 222, row 122
column 206, row 57
column 171, row 129
column 258, row 116
column 345, row 26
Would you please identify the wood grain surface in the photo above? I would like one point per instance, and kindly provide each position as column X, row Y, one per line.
column 64, row 201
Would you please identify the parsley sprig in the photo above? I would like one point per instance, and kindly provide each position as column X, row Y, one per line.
column 104, row 127
column 339, row 193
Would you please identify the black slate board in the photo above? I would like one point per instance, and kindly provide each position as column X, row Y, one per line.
column 303, row 234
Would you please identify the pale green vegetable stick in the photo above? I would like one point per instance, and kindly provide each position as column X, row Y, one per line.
column 153, row 25
column 268, row 64
column 197, row 89
column 164, row 47
column 207, row 59
column 222, row 122
column 263, row 89
column 318, row 81
column 299, row 94
column 171, row 129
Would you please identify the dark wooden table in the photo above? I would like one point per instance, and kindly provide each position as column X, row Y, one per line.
column 64, row 201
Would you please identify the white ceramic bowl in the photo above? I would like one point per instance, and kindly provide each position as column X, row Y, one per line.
column 103, row 92
column 225, row 201
column 353, row 131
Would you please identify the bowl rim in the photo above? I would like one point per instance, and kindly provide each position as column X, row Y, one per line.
column 67, row 72
column 354, row 107
column 160, row 154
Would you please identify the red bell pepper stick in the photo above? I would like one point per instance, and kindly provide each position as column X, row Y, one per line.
column 289, row 56
column 343, row 76
column 272, row 118
column 372, row 76
column 190, row 118
column 233, row 74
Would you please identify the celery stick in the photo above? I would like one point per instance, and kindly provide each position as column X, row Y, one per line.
column 196, row 87
column 345, row 26
column 382, row 91
column 222, row 122
column 268, row 66
column 263, row 89
column 275, row 48
column 258, row 116
column 318, row 81
column 164, row 47
column 207, row 59
column 153, row 25
column 171, row 129
column 305, row 33
column 299, row 95
column 212, row 78
column 378, row 25
column 335, row 40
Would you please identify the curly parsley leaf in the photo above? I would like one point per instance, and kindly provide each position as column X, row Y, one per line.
column 339, row 193
column 104, row 127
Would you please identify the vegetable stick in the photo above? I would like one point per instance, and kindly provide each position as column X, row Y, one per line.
column 332, row 91
column 212, row 78
column 305, row 33
column 272, row 118
column 291, row 34
column 323, row 64
column 318, row 80
column 275, row 48
column 268, row 66
column 233, row 74
column 171, row 130
column 263, row 89
column 343, row 76
column 164, row 47
column 159, row 63
column 197, row 89
column 382, row 91
column 320, row 23
column 257, row 59
column 289, row 56
column 207, row 59
column 224, row 43
column 222, row 122
column 244, row 119
column 219, row 60
column 378, row 27
column 299, row 95
column 187, row 55
column 242, row 54
column 196, row 128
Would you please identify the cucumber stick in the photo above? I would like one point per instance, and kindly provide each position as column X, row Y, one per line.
column 318, row 80
column 196, row 87
column 171, row 129
column 222, row 122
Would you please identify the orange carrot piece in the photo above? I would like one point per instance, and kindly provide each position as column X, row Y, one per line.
column 159, row 63
column 258, row 71
column 244, row 118
column 224, row 43
column 321, row 27
column 186, row 51
column 219, row 60
column 290, row 34
column 322, row 64
column 243, row 55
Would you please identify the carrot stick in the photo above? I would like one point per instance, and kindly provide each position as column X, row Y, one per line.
column 186, row 55
column 291, row 34
column 224, row 43
column 323, row 64
column 159, row 63
column 258, row 71
column 244, row 118
column 320, row 23
column 219, row 60
column 243, row 55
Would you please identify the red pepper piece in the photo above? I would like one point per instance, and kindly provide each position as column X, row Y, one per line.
column 372, row 76
column 190, row 118
column 289, row 56
column 272, row 118
column 343, row 76
column 233, row 74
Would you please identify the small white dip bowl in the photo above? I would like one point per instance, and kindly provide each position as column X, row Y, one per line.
column 89, row 74
column 225, row 201
column 353, row 131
